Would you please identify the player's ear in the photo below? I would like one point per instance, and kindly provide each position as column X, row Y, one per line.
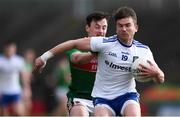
column 87, row 28
column 136, row 27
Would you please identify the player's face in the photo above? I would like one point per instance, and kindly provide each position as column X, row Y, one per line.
column 10, row 50
column 29, row 55
column 98, row 28
column 126, row 28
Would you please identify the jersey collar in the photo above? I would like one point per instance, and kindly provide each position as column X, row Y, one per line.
column 119, row 40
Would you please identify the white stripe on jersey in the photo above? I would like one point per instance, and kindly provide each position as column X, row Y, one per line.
column 113, row 77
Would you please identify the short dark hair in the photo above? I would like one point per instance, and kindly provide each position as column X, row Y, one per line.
column 96, row 16
column 124, row 12
column 9, row 42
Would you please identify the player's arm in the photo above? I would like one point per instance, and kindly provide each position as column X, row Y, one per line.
column 158, row 73
column 82, row 57
column 26, row 82
column 81, row 44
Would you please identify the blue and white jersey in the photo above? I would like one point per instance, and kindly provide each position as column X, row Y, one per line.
column 10, row 69
column 113, row 77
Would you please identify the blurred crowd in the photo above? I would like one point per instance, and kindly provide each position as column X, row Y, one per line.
column 22, row 93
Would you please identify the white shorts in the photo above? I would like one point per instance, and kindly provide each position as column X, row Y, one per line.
column 88, row 104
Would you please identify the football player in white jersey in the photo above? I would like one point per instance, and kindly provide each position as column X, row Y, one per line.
column 114, row 91
column 12, row 67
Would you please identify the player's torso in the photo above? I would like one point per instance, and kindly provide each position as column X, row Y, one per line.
column 115, row 62
column 114, row 70
column 9, row 67
column 117, row 58
column 83, row 76
column 9, row 74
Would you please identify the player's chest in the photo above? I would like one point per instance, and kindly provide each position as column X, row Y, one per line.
column 120, row 55
column 8, row 66
column 90, row 66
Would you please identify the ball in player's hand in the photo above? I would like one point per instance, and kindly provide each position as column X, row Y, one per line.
column 136, row 71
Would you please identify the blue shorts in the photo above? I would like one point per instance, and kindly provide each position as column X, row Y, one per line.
column 6, row 99
column 116, row 105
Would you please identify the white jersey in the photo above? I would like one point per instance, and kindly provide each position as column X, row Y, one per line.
column 10, row 69
column 113, row 77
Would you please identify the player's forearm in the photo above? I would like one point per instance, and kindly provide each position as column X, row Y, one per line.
column 81, row 44
column 58, row 50
column 26, row 80
column 63, row 47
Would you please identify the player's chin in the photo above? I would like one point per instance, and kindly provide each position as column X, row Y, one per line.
column 100, row 35
column 125, row 36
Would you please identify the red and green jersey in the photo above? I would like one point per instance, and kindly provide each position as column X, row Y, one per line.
column 83, row 77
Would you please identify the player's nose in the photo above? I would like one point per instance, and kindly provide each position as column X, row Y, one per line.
column 100, row 33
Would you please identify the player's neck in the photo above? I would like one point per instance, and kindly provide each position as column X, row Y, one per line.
column 127, row 42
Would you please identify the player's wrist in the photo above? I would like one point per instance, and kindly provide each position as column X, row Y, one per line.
column 47, row 55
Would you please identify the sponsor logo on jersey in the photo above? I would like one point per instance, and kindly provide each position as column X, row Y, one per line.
column 118, row 67
column 91, row 66
column 112, row 54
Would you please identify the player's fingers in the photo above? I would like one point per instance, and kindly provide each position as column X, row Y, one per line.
column 38, row 65
column 143, row 74
column 41, row 69
column 35, row 69
column 148, row 61
column 142, row 66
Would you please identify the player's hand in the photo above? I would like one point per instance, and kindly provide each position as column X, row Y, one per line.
column 38, row 66
column 148, row 71
column 152, row 71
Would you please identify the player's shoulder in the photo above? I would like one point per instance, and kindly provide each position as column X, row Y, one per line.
column 18, row 58
column 139, row 44
column 1, row 57
column 110, row 39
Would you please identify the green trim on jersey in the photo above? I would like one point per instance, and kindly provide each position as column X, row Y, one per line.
column 82, row 81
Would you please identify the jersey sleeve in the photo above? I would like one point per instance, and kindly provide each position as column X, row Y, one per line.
column 150, row 54
column 143, row 50
column 21, row 64
column 96, row 44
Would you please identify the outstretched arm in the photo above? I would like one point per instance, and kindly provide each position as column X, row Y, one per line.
column 81, row 44
column 82, row 58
